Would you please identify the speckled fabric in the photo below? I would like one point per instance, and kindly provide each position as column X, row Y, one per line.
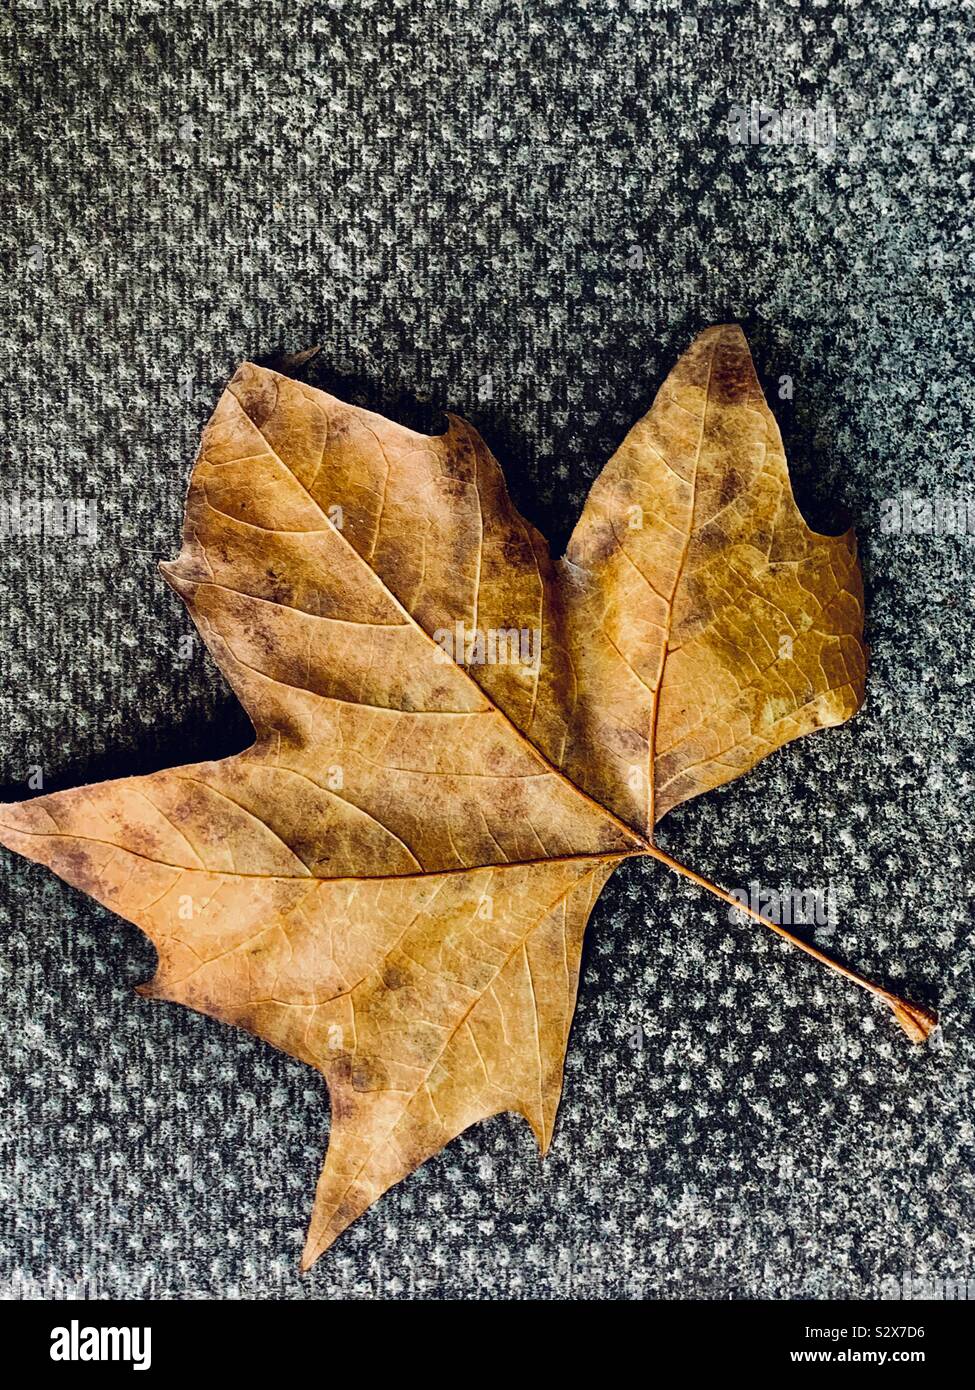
column 522, row 214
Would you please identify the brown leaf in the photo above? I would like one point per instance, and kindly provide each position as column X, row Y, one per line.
column 457, row 739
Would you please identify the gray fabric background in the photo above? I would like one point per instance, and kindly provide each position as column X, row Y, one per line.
column 437, row 194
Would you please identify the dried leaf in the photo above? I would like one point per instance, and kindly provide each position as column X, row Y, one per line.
column 457, row 738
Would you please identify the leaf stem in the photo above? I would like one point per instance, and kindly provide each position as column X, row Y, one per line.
column 917, row 1022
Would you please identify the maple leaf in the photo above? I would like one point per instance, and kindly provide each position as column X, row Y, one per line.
column 457, row 739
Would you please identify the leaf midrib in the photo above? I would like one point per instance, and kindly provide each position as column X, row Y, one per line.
column 606, row 856
column 628, row 830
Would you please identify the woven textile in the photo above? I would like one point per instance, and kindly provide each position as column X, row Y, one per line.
column 522, row 214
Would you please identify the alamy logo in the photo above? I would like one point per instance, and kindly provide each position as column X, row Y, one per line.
column 77, row 1343
column 787, row 906
column 498, row 646
column 756, row 124
column 944, row 514
column 61, row 517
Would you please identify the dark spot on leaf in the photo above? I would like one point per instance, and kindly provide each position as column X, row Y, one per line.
column 394, row 977
column 368, row 1074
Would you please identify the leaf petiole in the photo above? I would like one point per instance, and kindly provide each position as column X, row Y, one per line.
column 917, row 1022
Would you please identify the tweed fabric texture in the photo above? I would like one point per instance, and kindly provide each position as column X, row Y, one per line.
column 522, row 214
